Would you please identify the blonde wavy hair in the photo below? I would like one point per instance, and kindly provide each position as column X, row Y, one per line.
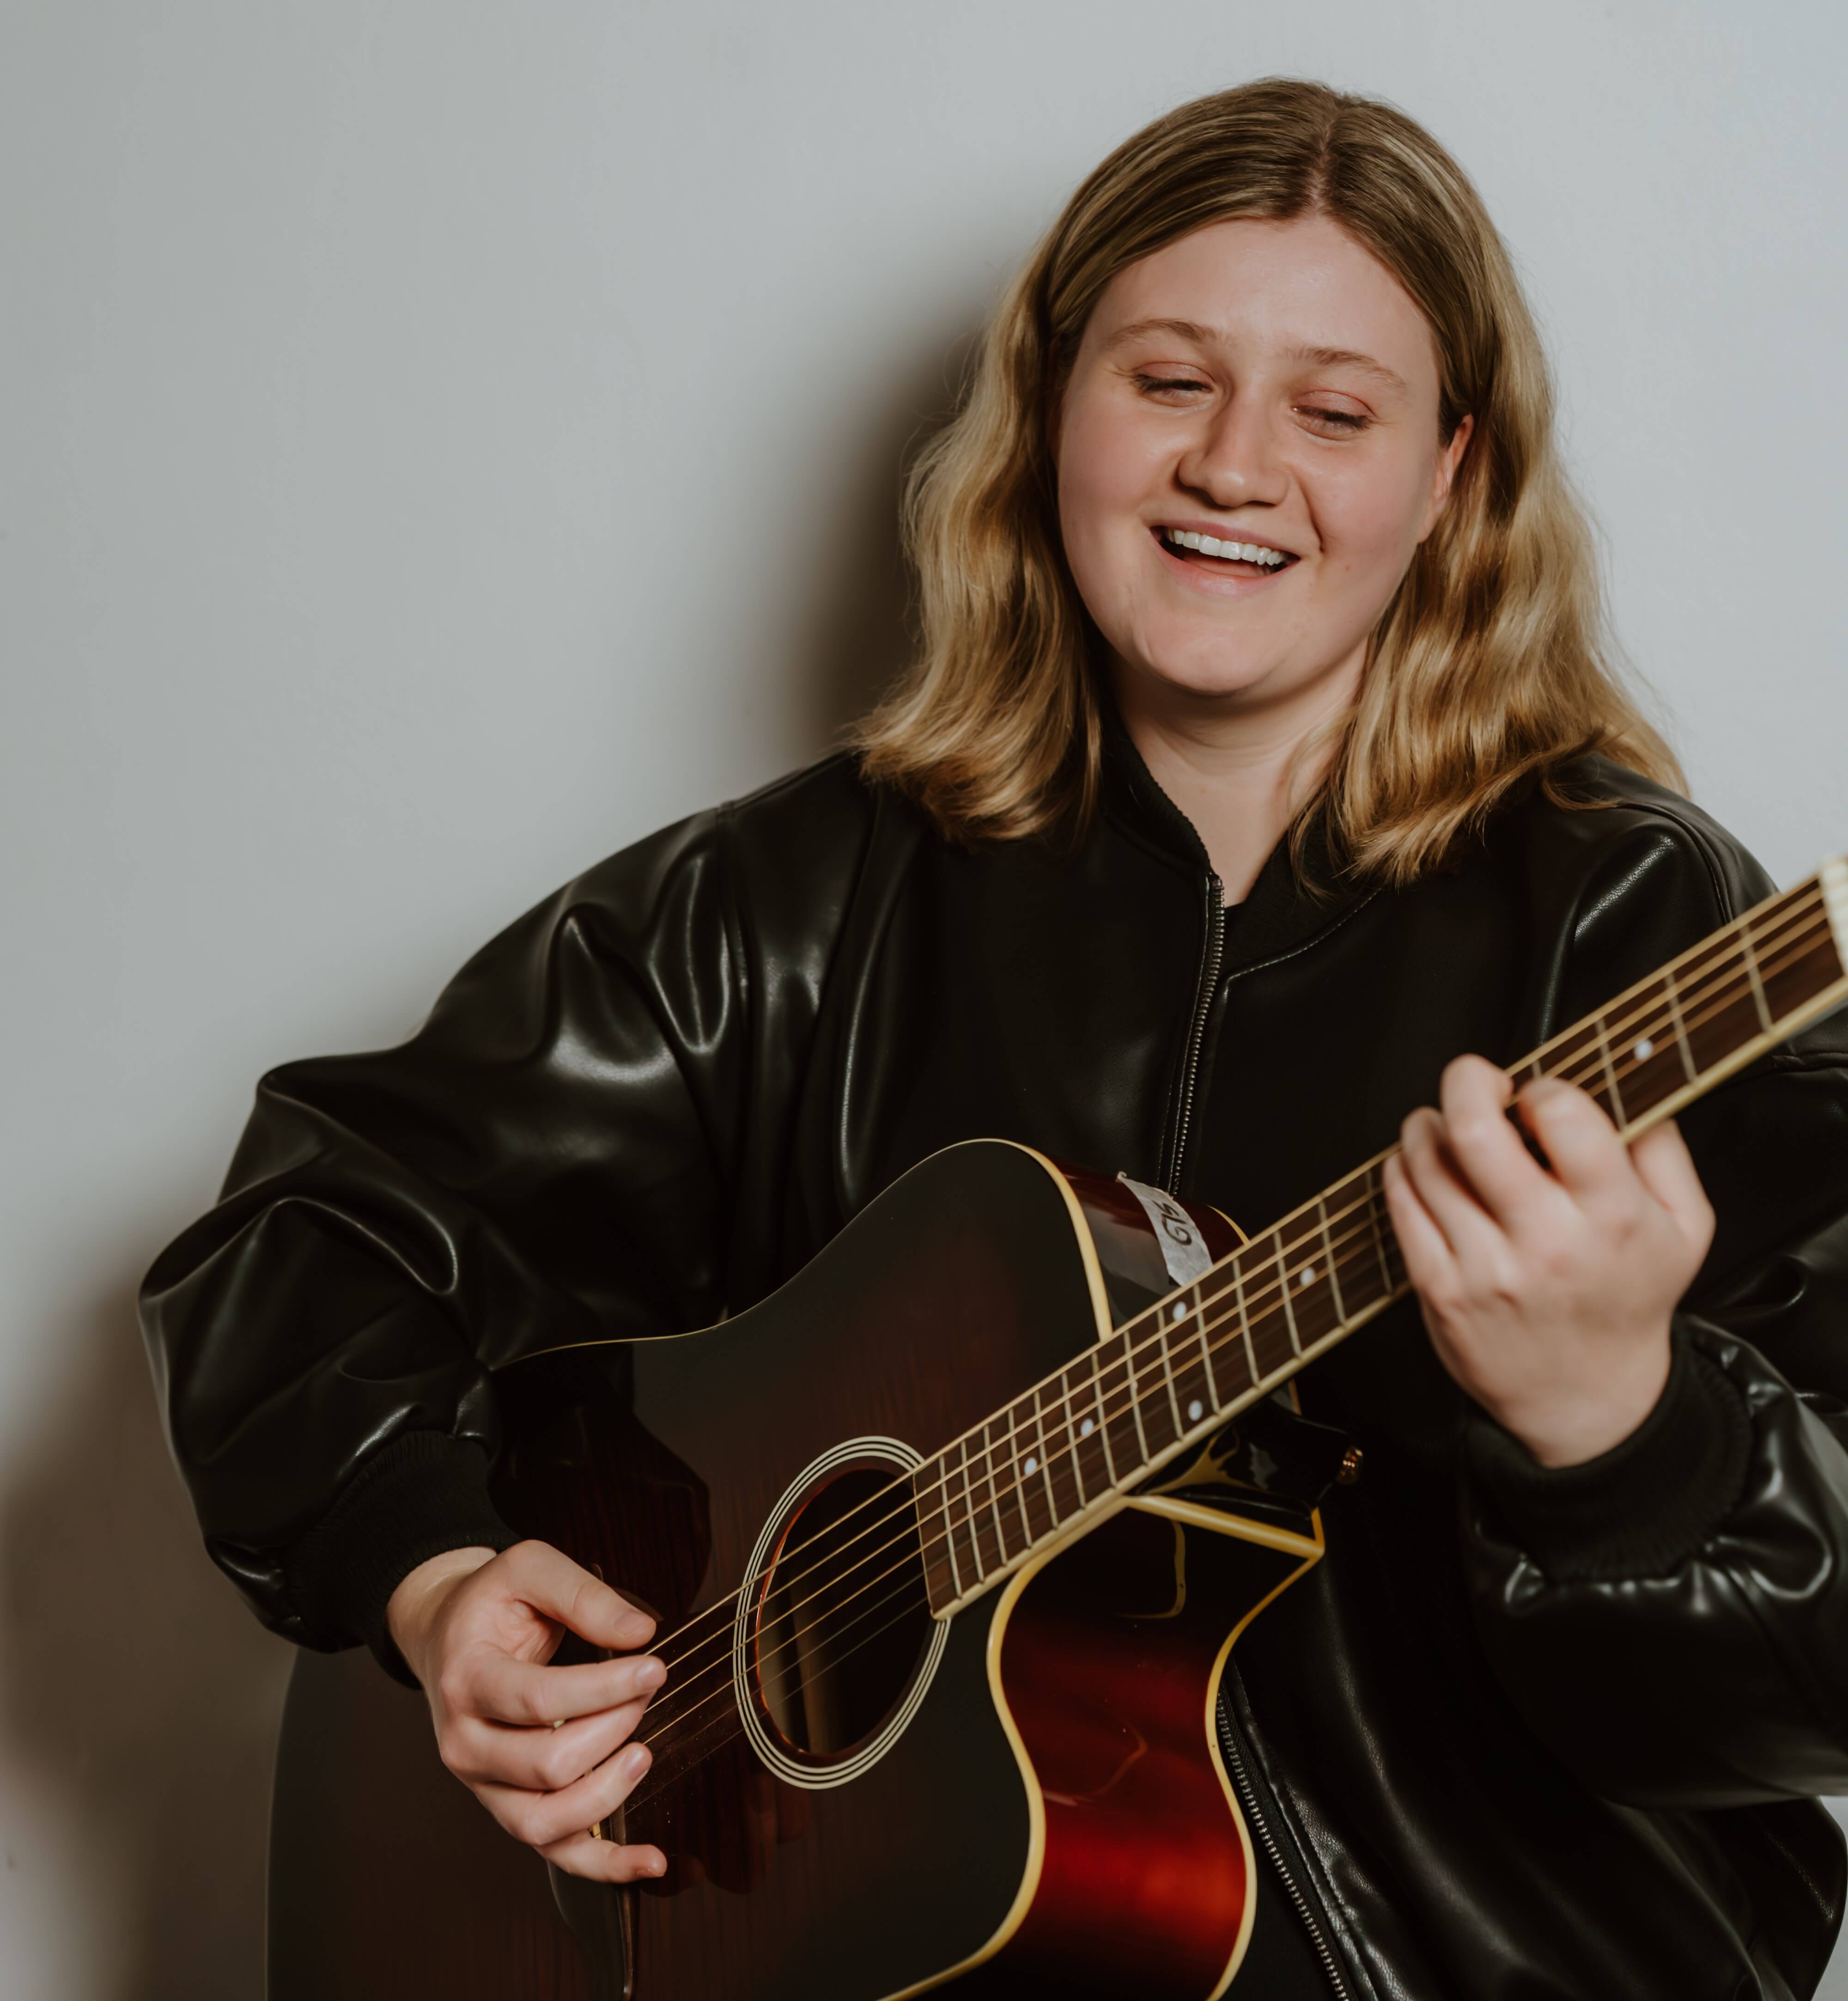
column 1489, row 670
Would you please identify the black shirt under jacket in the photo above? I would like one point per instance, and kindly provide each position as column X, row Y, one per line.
column 1533, row 1733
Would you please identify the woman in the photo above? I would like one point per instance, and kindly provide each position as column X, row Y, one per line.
column 1261, row 779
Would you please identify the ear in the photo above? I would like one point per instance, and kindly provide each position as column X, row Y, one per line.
column 1444, row 475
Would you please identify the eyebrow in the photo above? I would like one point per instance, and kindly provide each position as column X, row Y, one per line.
column 1347, row 357
column 1316, row 357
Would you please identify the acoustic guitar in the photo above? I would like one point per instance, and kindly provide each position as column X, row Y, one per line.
column 944, row 1630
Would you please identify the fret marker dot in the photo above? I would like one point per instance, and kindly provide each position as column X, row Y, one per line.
column 1308, row 1273
column 1644, row 1050
column 1196, row 1411
column 1033, row 1465
column 1180, row 1313
column 1086, row 1429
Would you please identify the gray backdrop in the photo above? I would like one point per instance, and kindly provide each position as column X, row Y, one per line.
column 440, row 442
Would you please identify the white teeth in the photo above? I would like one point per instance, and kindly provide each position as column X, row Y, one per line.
column 1210, row 545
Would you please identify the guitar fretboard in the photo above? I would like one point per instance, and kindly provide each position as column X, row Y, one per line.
column 1164, row 1380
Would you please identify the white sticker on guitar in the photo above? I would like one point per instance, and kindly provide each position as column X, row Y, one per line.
column 1186, row 1256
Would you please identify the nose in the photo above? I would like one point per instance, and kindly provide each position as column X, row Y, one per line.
column 1233, row 461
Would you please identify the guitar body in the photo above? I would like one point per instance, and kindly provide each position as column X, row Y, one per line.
column 1022, row 1798
column 957, row 1729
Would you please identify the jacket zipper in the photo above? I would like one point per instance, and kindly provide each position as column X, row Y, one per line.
column 1254, row 1814
column 1203, row 1001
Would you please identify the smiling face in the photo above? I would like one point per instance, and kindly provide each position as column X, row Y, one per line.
column 1247, row 456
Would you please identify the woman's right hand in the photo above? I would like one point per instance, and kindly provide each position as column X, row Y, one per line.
column 542, row 1748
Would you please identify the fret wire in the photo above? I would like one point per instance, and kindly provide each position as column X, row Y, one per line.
column 1251, row 1354
column 1284, row 1274
column 1721, row 991
column 1039, row 1422
column 1789, row 907
column 1278, row 1262
column 969, row 1517
column 1758, row 990
column 1135, row 1396
column 1134, row 1445
column 1375, row 1200
column 986, row 1510
column 1718, row 988
column 1013, row 1432
column 1223, row 1319
column 948, row 1539
column 1794, row 915
column 1103, row 1427
column 1174, row 1403
column 1142, row 1373
column 950, row 1515
column 1610, row 1082
column 1713, row 982
column 1206, row 1353
column 1187, row 1359
column 1671, row 989
column 1716, row 984
column 988, row 1439
column 1077, row 1471
column 1100, row 1439
column 1775, row 962
column 1805, row 926
column 1322, row 1206
column 970, row 1484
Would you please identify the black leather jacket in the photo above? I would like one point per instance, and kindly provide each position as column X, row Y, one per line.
column 1526, row 1733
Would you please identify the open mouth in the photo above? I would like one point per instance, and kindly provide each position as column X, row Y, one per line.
column 1227, row 558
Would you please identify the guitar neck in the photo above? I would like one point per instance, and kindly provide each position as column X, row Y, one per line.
column 1036, row 1471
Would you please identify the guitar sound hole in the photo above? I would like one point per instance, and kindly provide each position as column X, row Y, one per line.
column 843, row 1622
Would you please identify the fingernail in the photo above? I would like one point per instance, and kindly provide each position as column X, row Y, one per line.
column 657, row 1865
column 639, row 1757
column 650, row 1674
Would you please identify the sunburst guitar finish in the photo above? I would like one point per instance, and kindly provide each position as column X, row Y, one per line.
column 1024, row 1797
column 938, row 1540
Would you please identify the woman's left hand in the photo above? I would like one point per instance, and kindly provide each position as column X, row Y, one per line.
column 1547, row 1295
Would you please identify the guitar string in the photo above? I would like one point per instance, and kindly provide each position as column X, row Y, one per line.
column 671, row 1719
column 992, row 1482
column 1805, row 899
column 1073, row 1440
column 1273, row 1266
column 1657, row 1011
column 1279, row 1258
column 645, row 1792
column 1258, row 1296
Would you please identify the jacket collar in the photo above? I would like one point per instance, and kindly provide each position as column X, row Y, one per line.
column 1292, row 904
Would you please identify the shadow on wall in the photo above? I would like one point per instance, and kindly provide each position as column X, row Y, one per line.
column 138, row 1693
column 862, row 627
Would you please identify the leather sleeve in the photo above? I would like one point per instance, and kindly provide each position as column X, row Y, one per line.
column 551, row 1159
column 1672, row 1618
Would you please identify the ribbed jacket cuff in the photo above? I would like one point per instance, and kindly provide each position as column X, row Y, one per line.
column 421, row 1495
column 1644, row 1507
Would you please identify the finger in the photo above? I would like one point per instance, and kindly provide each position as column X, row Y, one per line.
column 1468, row 1229
column 537, row 1760
column 1666, row 1169
column 549, row 1581
column 498, row 1687
column 539, row 1819
column 1501, row 1173
column 1428, row 1264
column 1588, row 1157
column 604, row 1861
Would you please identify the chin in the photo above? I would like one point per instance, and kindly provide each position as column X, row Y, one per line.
column 1207, row 672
